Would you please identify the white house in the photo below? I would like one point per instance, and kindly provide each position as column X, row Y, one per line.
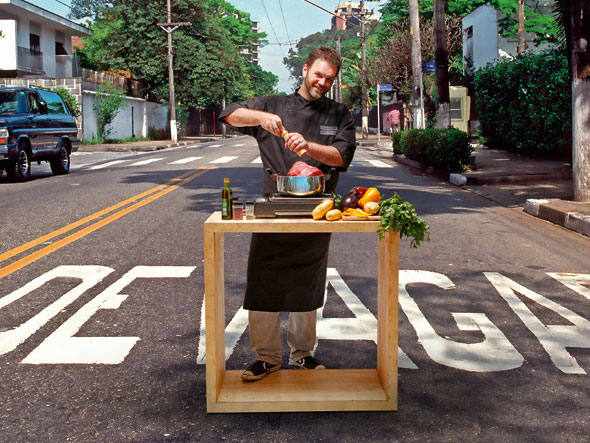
column 482, row 42
column 36, row 42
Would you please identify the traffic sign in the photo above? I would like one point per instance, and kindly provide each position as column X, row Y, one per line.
column 428, row 67
column 386, row 88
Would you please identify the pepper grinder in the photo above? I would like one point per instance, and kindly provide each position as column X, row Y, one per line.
column 301, row 152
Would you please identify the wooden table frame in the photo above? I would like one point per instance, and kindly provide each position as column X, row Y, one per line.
column 296, row 389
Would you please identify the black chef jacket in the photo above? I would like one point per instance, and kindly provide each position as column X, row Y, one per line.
column 287, row 272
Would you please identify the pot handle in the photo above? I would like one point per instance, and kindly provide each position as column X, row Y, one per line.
column 273, row 176
column 330, row 173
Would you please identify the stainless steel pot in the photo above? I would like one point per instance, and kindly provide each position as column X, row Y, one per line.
column 300, row 186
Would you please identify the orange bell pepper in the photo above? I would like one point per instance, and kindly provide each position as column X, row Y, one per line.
column 372, row 195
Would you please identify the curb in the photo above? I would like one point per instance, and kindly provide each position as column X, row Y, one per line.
column 556, row 211
column 495, row 179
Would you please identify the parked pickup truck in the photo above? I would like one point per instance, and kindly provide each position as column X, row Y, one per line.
column 35, row 125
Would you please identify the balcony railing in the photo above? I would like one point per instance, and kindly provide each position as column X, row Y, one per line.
column 29, row 60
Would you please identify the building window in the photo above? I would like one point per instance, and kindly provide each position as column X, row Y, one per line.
column 60, row 49
column 455, row 109
column 35, row 44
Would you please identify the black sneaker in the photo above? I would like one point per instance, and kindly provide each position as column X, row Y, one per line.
column 308, row 363
column 258, row 370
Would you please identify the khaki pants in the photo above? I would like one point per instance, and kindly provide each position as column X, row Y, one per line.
column 265, row 334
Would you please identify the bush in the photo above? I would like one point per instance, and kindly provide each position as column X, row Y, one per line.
column 446, row 149
column 524, row 105
column 107, row 103
column 70, row 101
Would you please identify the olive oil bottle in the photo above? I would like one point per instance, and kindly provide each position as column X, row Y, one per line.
column 226, row 209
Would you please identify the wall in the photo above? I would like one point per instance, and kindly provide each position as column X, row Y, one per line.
column 8, row 44
column 484, row 42
column 145, row 114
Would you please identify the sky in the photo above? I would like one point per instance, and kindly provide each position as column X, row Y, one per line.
column 283, row 21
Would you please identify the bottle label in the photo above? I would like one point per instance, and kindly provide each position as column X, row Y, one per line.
column 224, row 208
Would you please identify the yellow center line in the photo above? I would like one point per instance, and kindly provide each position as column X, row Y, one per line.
column 11, row 253
column 87, row 230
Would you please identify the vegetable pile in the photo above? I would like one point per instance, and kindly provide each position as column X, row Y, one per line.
column 400, row 215
column 394, row 212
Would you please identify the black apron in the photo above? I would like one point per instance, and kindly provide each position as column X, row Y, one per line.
column 287, row 272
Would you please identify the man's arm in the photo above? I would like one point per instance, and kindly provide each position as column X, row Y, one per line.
column 251, row 117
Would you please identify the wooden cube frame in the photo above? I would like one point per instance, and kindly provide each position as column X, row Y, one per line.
column 296, row 389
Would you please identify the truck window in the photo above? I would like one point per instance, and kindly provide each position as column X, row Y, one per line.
column 33, row 104
column 55, row 104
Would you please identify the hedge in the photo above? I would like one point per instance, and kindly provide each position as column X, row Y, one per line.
column 447, row 149
column 524, row 105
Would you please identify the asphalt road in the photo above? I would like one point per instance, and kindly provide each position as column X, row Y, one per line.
column 494, row 310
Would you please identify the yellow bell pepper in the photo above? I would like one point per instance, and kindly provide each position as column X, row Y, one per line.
column 372, row 195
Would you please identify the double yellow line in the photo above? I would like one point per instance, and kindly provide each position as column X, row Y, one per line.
column 144, row 198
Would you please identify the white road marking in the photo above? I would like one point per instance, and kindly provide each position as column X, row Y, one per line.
column 225, row 159
column 106, row 165
column 493, row 353
column 379, row 164
column 146, row 162
column 182, row 161
column 62, row 347
column 239, row 144
column 89, row 276
column 257, row 160
column 215, row 146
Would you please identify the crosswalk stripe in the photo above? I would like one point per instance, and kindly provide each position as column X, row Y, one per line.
column 379, row 164
column 182, row 161
column 225, row 159
column 146, row 162
column 106, row 165
column 257, row 160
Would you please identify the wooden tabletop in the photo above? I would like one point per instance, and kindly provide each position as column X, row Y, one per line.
column 288, row 225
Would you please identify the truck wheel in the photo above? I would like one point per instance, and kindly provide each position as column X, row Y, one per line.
column 61, row 164
column 21, row 168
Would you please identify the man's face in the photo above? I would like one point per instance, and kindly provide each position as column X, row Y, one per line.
column 318, row 78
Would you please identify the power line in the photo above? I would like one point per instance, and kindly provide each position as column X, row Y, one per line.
column 65, row 4
column 285, row 22
column 331, row 13
column 269, row 20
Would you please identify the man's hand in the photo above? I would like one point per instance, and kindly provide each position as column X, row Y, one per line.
column 295, row 142
column 272, row 123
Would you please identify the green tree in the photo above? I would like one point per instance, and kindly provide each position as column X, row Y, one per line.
column 89, row 9
column 107, row 103
column 538, row 19
column 127, row 38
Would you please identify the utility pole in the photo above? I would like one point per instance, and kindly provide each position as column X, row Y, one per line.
column 416, row 64
column 339, row 78
column 364, row 113
column 579, row 16
column 522, row 46
column 441, row 61
column 170, row 27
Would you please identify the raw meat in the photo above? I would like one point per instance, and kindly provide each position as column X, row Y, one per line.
column 302, row 169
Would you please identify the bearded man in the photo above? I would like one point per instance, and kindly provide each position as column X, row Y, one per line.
column 287, row 272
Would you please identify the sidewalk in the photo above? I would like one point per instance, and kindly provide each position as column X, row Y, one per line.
column 543, row 188
column 150, row 145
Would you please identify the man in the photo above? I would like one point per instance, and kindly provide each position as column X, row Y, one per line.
column 393, row 117
column 287, row 272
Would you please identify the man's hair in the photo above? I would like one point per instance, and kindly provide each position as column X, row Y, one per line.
column 324, row 53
